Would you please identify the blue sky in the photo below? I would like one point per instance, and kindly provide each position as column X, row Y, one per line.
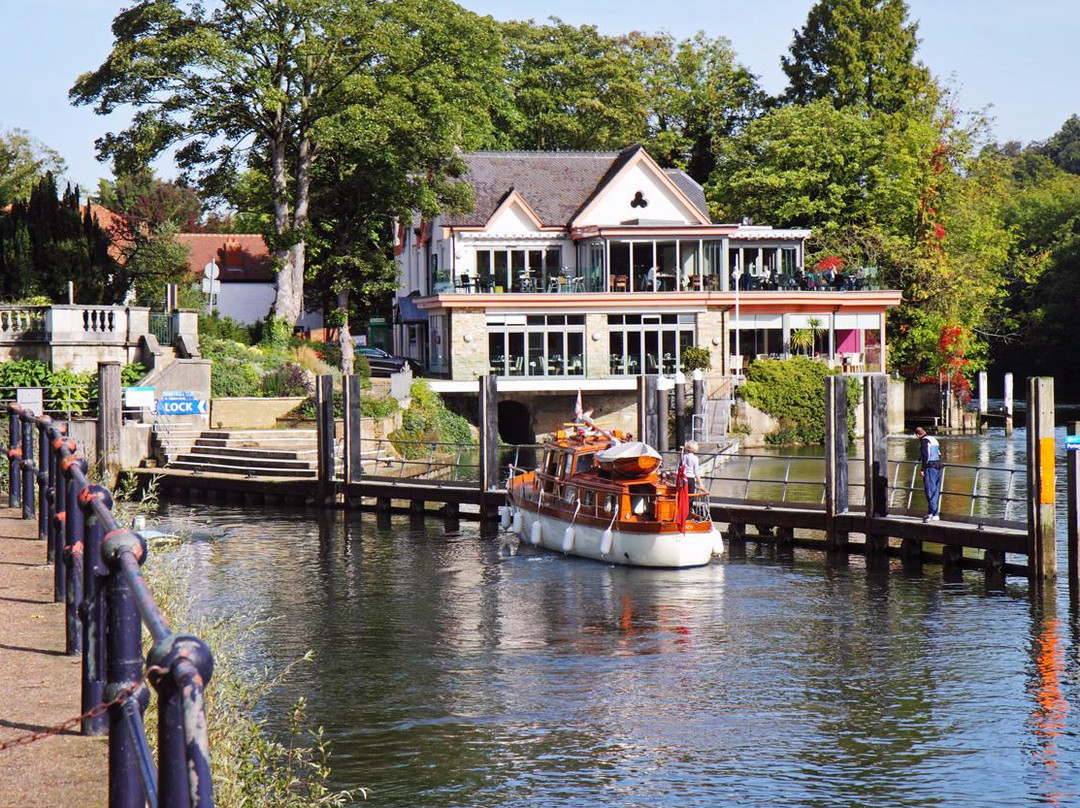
column 1020, row 58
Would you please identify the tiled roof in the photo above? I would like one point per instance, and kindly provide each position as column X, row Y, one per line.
column 240, row 257
column 556, row 185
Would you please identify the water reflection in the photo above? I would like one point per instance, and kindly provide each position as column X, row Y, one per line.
column 449, row 672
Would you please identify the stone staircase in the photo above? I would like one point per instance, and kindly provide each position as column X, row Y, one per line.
column 247, row 453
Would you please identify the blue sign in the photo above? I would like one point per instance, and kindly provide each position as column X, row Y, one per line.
column 1072, row 443
column 181, row 406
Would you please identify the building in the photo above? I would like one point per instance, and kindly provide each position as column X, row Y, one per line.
column 584, row 270
column 248, row 283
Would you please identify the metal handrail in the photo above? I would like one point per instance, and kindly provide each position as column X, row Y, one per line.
column 1010, row 507
column 101, row 562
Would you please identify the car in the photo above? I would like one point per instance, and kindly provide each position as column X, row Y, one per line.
column 383, row 363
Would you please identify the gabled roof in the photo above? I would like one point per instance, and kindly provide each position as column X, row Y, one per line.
column 555, row 185
column 239, row 256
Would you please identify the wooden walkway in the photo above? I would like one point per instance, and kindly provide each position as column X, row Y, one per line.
column 39, row 685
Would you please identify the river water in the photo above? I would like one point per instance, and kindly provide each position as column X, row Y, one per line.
column 450, row 670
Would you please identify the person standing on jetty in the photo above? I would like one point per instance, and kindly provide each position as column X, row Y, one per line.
column 930, row 460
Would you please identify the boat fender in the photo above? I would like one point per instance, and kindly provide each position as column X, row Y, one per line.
column 606, row 541
column 504, row 516
column 568, row 539
column 717, row 542
column 515, row 525
column 537, row 531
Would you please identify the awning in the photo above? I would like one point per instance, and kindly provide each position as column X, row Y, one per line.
column 409, row 312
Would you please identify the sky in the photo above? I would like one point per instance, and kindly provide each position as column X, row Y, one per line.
column 1019, row 62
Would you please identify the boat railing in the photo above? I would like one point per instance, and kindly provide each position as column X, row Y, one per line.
column 605, row 501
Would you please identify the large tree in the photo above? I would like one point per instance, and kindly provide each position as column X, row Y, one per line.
column 23, row 161
column 251, row 83
column 856, row 52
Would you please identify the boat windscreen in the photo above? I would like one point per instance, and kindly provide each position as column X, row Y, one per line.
column 584, row 462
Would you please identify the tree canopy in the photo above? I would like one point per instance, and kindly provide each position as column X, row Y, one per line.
column 23, row 161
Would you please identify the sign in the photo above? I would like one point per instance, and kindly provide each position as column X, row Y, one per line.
column 211, row 287
column 181, row 405
column 139, row 398
column 31, row 398
column 1072, row 443
column 211, row 271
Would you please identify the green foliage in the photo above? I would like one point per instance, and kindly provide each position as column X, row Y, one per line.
column 361, row 366
column 132, row 373
column 288, row 380
column 51, row 239
column 150, row 201
column 70, row 392
column 273, row 332
column 231, row 377
column 23, row 161
column 22, row 373
column 215, row 327
column 696, row 358
column 856, row 53
column 329, row 352
column 793, row 392
column 428, row 419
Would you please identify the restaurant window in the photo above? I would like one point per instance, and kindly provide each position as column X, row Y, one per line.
column 537, row 344
column 649, row 343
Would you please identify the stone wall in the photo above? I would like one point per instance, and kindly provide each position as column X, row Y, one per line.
column 468, row 344
column 711, row 334
column 250, row 413
column 549, row 412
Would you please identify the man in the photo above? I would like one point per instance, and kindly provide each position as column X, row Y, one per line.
column 691, row 467
column 930, row 462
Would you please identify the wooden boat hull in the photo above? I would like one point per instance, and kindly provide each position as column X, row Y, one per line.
column 670, row 550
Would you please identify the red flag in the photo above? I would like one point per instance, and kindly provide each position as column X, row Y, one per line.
column 578, row 411
column 682, row 500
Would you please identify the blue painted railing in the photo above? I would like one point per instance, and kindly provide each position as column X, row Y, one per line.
column 98, row 577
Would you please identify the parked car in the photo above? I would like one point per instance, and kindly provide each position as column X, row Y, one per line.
column 383, row 363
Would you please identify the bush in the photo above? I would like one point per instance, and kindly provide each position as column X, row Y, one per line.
column 361, row 366
column 696, row 358
column 427, row 419
column 329, row 352
column 288, row 380
column 273, row 332
column 214, row 326
column 232, row 377
column 793, row 392
column 132, row 374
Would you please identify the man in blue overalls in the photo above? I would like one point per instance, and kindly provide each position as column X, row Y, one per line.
column 930, row 460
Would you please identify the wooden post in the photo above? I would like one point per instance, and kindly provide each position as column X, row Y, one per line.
column 647, row 420
column 836, row 475
column 109, row 417
column 1042, row 550
column 680, row 409
column 353, row 444
column 699, row 402
column 1008, row 403
column 1072, row 466
column 876, row 456
column 663, row 405
column 489, row 433
column 324, row 436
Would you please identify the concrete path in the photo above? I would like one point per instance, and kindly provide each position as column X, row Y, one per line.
column 39, row 685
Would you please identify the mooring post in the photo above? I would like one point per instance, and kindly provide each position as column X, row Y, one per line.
column 14, row 457
column 124, row 670
column 1042, row 551
column 1008, row 403
column 109, row 418
column 876, row 457
column 663, row 407
column 983, row 404
column 28, row 467
column 489, row 435
column 836, row 470
column 354, row 449
column 698, row 379
column 59, row 519
column 1072, row 466
column 93, row 612
column 647, row 418
column 324, row 437
column 680, row 409
column 74, row 542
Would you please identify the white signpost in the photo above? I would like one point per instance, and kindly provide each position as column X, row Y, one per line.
column 211, row 286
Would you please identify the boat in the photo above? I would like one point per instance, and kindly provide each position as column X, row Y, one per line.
column 598, row 495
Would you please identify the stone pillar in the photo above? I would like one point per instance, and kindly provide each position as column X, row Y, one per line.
column 597, row 347
column 109, row 417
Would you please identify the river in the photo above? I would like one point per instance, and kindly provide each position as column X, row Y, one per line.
column 450, row 670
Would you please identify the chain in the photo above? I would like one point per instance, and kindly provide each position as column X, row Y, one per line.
column 93, row 712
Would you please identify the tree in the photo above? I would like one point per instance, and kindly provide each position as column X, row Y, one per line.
column 48, row 240
column 856, row 52
column 153, row 202
column 23, row 161
column 696, row 95
column 573, row 88
column 1063, row 147
column 250, row 85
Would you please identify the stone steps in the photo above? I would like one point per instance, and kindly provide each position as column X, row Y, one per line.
column 251, row 453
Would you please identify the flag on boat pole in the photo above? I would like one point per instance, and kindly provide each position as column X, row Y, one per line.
column 682, row 499
column 578, row 409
